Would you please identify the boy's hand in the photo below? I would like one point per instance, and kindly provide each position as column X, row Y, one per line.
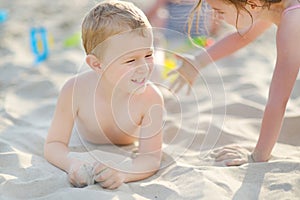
column 80, row 174
column 232, row 155
column 107, row 177
column 187, row 73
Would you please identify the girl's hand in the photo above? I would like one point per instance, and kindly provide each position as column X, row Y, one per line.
column 187, row 73
column 233, row 155
column 80, row 174
column 107, row 177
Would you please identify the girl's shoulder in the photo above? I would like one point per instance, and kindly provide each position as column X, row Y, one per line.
column 289, row 23
column 291, row 8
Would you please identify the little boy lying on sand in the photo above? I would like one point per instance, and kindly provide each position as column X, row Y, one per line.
column 114, row 103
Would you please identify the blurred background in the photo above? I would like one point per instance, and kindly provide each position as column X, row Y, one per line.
column 61, row 20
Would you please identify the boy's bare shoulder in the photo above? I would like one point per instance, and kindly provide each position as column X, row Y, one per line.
column 153, row 94
column 77, row 83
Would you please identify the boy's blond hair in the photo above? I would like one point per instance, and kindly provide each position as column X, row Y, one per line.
column 109, row 18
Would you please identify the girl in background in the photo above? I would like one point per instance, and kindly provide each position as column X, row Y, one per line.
column 252, row 18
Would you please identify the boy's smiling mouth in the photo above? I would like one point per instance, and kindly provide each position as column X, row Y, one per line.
column 139, row 80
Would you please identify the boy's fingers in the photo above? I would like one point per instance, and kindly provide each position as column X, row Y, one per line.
column 115, row 185
column 103, row 175
column 98, row 168
column 99, row 178
column 73, row 179
column 113, row 182
column 107, row 183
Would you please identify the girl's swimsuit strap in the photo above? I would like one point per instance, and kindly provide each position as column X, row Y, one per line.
column 291, row 8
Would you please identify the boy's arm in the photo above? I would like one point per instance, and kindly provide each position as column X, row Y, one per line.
column 148, row 159
column 56, row 146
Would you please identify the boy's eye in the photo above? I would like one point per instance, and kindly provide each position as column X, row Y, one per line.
column 130, row 61
column 149, row 55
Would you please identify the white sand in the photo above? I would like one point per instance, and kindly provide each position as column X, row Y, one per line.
column 194, row 124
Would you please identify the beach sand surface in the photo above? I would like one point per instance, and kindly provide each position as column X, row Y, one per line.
column 224, row 108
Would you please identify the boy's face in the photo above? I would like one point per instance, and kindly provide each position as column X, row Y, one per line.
column 128, row 61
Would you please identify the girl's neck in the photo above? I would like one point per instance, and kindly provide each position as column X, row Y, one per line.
column 275, row 13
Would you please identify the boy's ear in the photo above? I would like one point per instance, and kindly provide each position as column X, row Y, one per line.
column 93, row 62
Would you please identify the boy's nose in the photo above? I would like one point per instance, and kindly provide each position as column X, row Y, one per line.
column 143, row 68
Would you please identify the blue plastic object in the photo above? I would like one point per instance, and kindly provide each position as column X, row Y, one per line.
column 3, row 16
column 38, row 39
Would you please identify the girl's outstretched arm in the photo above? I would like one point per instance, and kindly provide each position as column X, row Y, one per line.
column 190, row 67
column 235, row 41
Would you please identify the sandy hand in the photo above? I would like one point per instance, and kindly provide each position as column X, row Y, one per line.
column 86, row 173
column 232, row 155
column 81, row 176
column 107, row 177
